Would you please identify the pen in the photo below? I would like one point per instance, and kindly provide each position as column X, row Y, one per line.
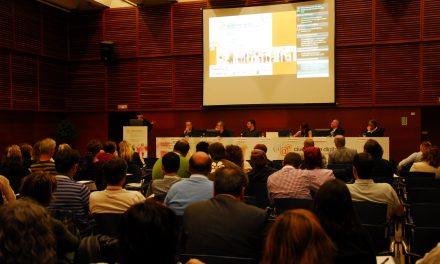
column 385, row 261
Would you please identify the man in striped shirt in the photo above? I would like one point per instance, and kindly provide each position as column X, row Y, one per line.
column 45, row 162
column 70, row 196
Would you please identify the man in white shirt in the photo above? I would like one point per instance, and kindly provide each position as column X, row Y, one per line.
column 416, row 156
column 114, row 199
column 365, row 189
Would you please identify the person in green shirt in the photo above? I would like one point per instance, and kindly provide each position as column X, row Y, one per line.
column 181, row 148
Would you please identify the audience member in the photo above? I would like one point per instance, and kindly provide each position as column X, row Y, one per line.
column 251, row 129
column 432, row 257
column 25, row 234
column 297, row 237
column 336, row 128
column 342, row 154
column 382, row 168
column 202, row 146
column 6, row 191
column 264, row 148
column 224, row 225
column 235, row 155
column 39, row 186
column 260, row 171
column 334, row 209
column 133, row 161
column 309, row 142
column 45, row 161
column 416, row 156
column 304, row 131
column 373, row 130
column 181, row 148
column 26, row 153
column 12, row 167
column 64, row 146
column 313, row 164
column 149, row 233
column 217, row 152
column 91, row 167
column 197, row 188
column 430, row 162
column 110, row 152
column 114, row 199
column 35, row 154
column 188, row 132
column 170, row 167
column 365, row 189
column 220, row 127
column 145, row 122
column 70, row 195
column 290, row 181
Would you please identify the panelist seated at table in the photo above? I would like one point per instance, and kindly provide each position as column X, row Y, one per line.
column 251, row 130
column 190, row 131
column 304, row 131
column 220, row 127
column 373, row 130
column 336, row 128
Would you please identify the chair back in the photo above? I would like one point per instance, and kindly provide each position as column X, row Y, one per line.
column 423, row 195
column 342, row 171
column 211, row 259
column 108, row 223
column 285, row 204
column 259, row 191
column 370, row 213
column 426, row 214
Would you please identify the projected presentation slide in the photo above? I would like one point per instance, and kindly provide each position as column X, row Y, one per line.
column 269, row 54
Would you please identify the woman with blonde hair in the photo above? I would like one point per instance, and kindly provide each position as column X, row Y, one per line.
column 12, row 166
column 133, row 160
column 296, row 237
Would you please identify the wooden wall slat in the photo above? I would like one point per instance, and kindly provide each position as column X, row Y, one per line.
column 5, row 86
column 397, row 74
column 431, row 73
column 354, row 76
column 154, row 30
column 86, row 91
column 156, row 83
column 187, row 28
column 122, row 85
column 55, row 34
column 25, row 82
column 431, row 19
column 354, row 21
column 189, row 82
column 397, row 20
column 6, row 24
column 53, row 80
column 85, row 36
column 120, row 27
column 27, row 26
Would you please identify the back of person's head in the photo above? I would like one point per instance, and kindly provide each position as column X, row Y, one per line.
column 372, row 122
column 12, row 156
column 26, row 233
column 292, row 159
column 200, row 163
column 47, row 146
column 217, row 151
column 64, row 146
column 36, row 151
column 305, row 127
column 229, row 180
column 235, row 155
column 26, row 151
column 149, row 232
column 94, row 146
column 170, row 162
column 182, row 147
column 334, row 208
column 434, row 157
column 261, row 147
column 109, row 147
column 297, row 237
column 114, row 171
column 339, row 141
column 258, row 158
column 125, row 151
column 65, row 160
column 424, row 148
column 312, row 158
column 309, row 143
column 202, row 146
column 373, row 148
column 363, row 163
column 39, row 186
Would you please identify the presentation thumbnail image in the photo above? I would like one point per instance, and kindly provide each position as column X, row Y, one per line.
column 245, row 46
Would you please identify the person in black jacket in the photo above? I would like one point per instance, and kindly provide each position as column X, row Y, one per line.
column 373, row 130
column 336, row 128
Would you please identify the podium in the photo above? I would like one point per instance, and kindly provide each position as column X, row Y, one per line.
column 137, row 136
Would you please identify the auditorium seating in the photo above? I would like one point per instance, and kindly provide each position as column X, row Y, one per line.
column 210, row 259
column 342, row 171
column 258, row 190
column 284, row 204
column 107, row 224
